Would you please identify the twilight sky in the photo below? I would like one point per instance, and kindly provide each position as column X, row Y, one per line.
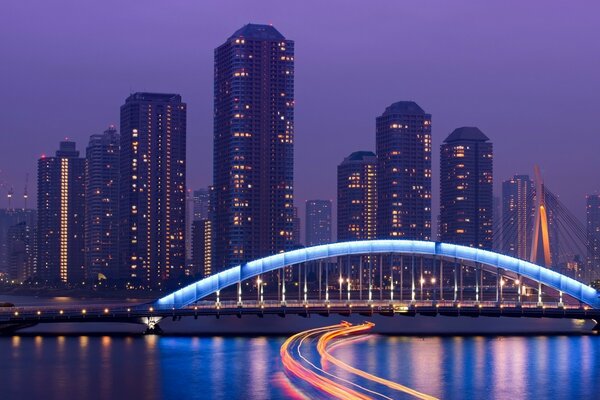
column 525, row 72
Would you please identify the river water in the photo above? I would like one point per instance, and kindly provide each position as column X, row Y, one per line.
column 181, row 367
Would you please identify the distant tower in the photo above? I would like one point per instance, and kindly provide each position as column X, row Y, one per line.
column 61, row 210
column 102, row 205
column 201, row 204
column 318, row 222
column 253, row 145
column 466, row 189
column 404, row 172
column 357, row 197
column 152, row 189
column 518, row 210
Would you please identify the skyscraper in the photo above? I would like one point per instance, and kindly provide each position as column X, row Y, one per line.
column 593, row 237
column 357, row 197
column 253, row 145
column 404, row 172
column 518, row 209
column 102, row 205
column 466, row 189
column 152, row 189
column 318, row 222
column 61, row 210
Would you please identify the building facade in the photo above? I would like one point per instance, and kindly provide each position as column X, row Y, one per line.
column 61, row 213
column 152, row 190
column 593, row 237
column 518, row 210
column 403, row 142
column 253, row 146
column 102, row 205
column 318, row 222
column 201, row 248
column 466, row 189
column 357, row 197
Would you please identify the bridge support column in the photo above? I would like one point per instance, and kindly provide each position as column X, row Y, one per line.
column 596, row 328
column 560, row 302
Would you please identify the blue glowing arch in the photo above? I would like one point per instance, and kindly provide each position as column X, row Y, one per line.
column 487, row 259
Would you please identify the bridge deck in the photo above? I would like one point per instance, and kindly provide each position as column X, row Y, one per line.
column 23, row 316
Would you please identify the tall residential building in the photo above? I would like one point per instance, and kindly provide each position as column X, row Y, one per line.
column 357, row 197
column 152, row 189
column 61, row 211
column 197, row 208
column 318, row 222
column 518, row 209
column 404, row 172
column 593, row 237
column 201, row 248
column 466, row 189
column 102, row 205
column 253, row 170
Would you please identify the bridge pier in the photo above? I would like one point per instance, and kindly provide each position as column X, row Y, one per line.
column 152, row 327
column 596, row 329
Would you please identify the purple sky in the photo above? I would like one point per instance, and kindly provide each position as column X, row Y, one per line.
column 526, row 73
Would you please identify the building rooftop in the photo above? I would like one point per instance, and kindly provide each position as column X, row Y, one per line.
column 258, row 32
column 467, row 133
column 146, row 96
column 404, row 107
column 360, row 156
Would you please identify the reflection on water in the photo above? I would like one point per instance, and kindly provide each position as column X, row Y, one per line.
column 150, row 367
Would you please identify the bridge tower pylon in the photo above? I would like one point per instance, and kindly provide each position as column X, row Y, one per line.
column 540, row 227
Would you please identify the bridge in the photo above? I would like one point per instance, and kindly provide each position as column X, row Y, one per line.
column 384, row 277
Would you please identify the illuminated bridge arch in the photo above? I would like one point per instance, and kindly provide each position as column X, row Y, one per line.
column 488, row 260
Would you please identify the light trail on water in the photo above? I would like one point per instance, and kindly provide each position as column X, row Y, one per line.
column 324, row 384
column 322, row 348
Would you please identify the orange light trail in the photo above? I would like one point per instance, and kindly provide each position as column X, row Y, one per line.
column 345, row 330
column 324, row 384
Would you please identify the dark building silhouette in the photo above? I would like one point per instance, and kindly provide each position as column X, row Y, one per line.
column 201, row 248
column 61, row 212
column 357, row 197
column 518, row 209
column 152, row 190
column 404, row 172
column 593, row 237
column 253, row 145
column 466, row 189
column 102, row 205
column 318, row 222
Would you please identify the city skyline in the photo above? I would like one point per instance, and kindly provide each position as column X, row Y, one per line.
column 516, row 125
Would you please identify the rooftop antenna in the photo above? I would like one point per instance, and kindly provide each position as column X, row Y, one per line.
column 25, row 195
